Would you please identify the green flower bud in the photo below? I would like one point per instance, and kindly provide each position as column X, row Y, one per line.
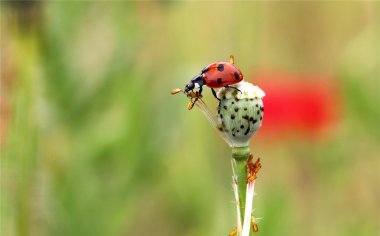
column 240, row 112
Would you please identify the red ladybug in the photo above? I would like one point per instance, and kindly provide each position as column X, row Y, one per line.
column 216, row 75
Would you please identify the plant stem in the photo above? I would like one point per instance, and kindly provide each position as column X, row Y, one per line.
column 240, row 155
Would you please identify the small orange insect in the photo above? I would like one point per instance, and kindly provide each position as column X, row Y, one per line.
column 255, row 227
column 233, row 232
column 252, row 168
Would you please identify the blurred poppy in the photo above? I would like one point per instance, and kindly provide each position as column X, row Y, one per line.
column 299, row 105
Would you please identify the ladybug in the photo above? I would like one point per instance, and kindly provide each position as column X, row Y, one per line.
column 215, row 75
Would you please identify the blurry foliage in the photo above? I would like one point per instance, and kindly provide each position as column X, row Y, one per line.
column 96, row 145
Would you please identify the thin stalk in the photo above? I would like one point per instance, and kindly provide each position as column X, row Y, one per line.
column 240, row 156
column 248, row 208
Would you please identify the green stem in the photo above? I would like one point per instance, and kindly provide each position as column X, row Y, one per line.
column 241, row 154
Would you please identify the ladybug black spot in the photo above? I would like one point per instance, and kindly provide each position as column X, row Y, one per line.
column 232, row 117
column 219, row 80
column 236, row 74
column 242, row 126
column 220, row 67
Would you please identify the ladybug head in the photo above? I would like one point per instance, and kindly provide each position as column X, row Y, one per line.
column 189, row 86
column 197, row 81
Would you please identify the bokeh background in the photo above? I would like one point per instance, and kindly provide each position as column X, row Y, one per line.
column 92, row 142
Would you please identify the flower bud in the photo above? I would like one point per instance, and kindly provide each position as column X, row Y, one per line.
column 240, row 112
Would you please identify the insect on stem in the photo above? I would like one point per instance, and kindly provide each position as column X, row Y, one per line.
column 255, row 227
column 232, row 233
column 252, row 168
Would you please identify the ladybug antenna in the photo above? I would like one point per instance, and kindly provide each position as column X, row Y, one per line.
column 232, row 59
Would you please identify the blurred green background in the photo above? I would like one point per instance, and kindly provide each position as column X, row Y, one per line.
column 92, row 142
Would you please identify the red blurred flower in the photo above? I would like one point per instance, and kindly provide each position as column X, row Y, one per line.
column 303, row 105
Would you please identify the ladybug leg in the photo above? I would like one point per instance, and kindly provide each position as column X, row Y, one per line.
column 233, row 88
column 200, row 91
column 214, row 93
